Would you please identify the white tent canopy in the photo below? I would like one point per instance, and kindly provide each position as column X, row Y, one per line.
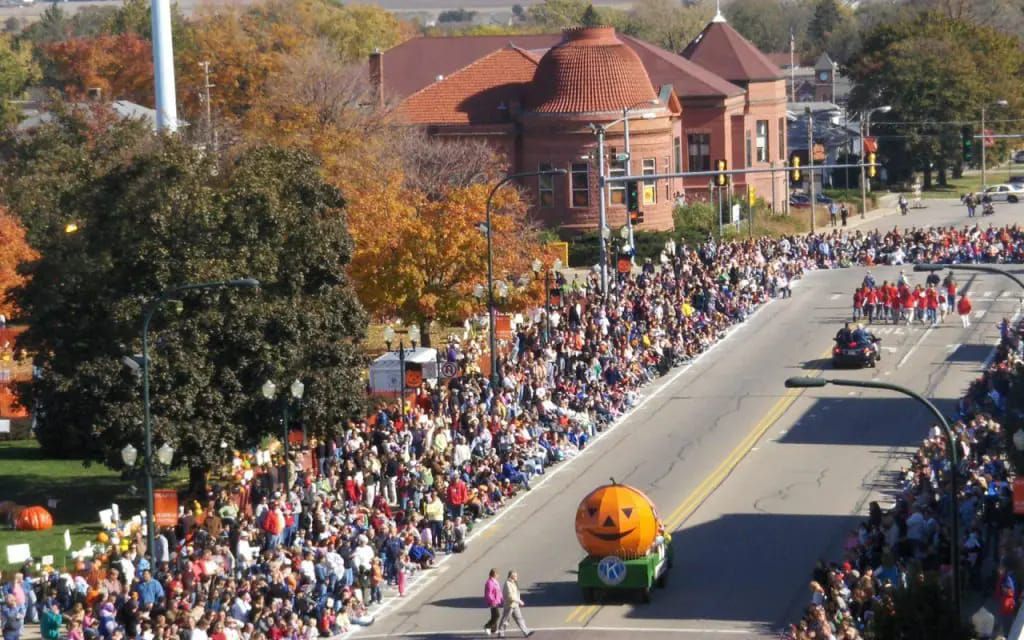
column 386, row 371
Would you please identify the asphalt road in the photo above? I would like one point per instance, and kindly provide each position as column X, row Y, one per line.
column 756, row 482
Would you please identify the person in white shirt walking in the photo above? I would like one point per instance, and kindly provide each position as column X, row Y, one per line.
column 513, row 602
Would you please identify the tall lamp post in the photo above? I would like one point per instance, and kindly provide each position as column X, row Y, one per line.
column 647, row 115
column 810, row 159
column 984, row 171
column 148, row 310
column 492, row 340
column 297, row 390
column 413, row 333
column 866, row 133
column 954, row 459
column 983, row 268
column 556, row 266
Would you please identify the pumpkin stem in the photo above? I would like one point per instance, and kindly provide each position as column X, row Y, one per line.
column 613, row 481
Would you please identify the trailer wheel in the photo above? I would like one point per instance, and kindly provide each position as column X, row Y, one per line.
column 588, row 594
column 645, row 595
column 663, row 580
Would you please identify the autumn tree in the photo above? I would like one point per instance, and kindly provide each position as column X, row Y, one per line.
column 121, row 66
column 14, row 250
column 162, row 215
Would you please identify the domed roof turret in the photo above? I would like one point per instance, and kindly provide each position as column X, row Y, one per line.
column 590, row 71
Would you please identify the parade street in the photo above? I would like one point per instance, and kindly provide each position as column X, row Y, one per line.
column 754, row 481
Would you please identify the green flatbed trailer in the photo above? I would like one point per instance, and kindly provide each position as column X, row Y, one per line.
column 613, row 574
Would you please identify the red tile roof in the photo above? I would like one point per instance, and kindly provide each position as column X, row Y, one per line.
column 480, row 93
column 590, row 71
column 416, row 63
column 689, row 80
column 722, row 50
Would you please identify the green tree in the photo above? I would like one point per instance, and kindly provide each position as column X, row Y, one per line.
column 558, row 14
column 767, row 23
column 933, row 69
column 162, row 215
column 53, row 26
column 17, row 70
column 667, row 24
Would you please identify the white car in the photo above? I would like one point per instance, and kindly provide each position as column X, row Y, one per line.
column 1012, row 192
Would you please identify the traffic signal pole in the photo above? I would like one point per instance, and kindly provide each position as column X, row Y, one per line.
column 863, row 174
column 810, row 160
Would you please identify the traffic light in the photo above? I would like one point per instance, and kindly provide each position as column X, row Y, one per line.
column 721, row 179
column 872, row 169
column 751, row 197
column 795, row 173
column 967, row 139
column 636, row 217
column 633, row 196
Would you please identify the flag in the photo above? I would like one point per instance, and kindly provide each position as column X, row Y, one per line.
column 67, row 539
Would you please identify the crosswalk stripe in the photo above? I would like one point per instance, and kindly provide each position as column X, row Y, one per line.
column 978, row 315
column 987, row 294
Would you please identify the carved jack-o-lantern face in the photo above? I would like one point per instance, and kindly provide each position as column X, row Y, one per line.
column 616, row 519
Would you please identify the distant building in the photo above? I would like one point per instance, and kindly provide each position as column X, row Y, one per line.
column 34, row 117
column 534, row 96
column 817, row 82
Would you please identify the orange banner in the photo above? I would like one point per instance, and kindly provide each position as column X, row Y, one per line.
column 165, row 507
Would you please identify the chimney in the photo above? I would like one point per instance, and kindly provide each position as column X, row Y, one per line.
column 377, row 76
column 95, row 93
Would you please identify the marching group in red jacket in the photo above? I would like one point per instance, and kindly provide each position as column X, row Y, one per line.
column 900, row 302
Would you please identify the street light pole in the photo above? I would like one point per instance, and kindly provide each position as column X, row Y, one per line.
column 983, row 268
column 865, row 134
column 629, row 153
column 602, row 210
column 984, row 169
column 954, row 459
column 810, row 159
column 492, row 337
column 147, row 425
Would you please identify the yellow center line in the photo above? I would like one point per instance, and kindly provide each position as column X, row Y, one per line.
column 715, row 479
column 584, row 613
column 588, row 613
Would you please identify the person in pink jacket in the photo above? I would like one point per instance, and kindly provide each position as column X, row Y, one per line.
column 494, row 600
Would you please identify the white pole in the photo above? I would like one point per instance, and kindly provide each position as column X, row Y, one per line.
column 163, row 68
column 629, row 172
column 602, row 210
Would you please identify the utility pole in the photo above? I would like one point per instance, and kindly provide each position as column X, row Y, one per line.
column 602, row 211
column 863, row 171
column 810, row 159
column 211, row 137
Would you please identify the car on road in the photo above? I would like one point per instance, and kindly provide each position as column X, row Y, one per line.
column 854, row 354
column 1018, row 156
column 1009, row 192
column 803, row 200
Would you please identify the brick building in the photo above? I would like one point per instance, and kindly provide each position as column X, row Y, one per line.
column 534, row 97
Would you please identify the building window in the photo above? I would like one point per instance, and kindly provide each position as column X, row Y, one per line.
column 650, row 186
column 750, row 154
column 546, row 186
column 616, row 190
column 580, row 180
column 762, row 141
column 677, row 153
column 699, row 151
column 782, row 138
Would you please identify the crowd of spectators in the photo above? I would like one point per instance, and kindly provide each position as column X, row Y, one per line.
column 255, row 560
column 902, row 545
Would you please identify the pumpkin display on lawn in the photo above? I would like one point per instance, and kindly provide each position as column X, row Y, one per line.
column 33, row 519
column 616, row 520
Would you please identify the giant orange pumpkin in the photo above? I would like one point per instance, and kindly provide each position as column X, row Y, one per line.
column 33, row 519
column 616, row 520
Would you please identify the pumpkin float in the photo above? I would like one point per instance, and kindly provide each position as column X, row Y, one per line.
column 616, row 520
column 33, row 519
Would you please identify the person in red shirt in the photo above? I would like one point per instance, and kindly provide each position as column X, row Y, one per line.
column 932, row 304
column 858, row 303
column 870, row 304
column 964, row 309
column 458, row 494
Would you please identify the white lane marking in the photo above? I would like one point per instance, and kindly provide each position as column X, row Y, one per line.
column 836, row 296
column 987, row 294
column 884, row 331
column 418, row 584
column 898, row 331
column 890, row 349
column 951, row 348
column 1005, row 294
column 914, row 348
column 851, row 393
column 476, row 631
column 978, row 315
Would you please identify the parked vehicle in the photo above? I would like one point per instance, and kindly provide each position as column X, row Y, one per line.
column 1009, row 192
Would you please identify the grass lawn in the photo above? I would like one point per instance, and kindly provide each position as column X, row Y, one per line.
column 29, row 478
column 970, row 182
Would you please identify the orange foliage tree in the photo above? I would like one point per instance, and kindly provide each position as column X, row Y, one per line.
column 120, row 65
column 14, row 249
